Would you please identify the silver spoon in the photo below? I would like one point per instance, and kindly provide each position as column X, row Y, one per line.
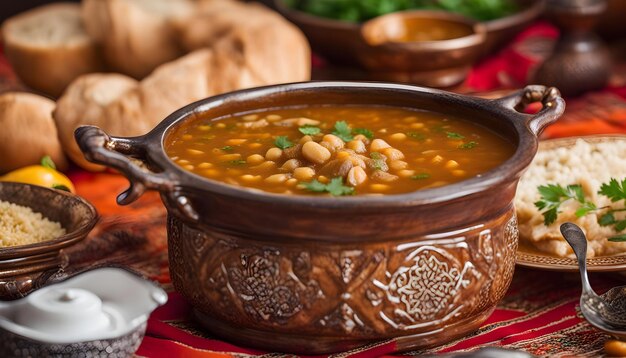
column 608, row 311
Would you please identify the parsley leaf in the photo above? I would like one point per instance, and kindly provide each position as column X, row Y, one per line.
column 283, row 142
column 420, row 176
column 309, row 130
column 614, row 190
column 315, row 186
column 618, row 238
column 227, row 148
column 553, row 195
column 453, row 135
column 416, row 136
column 343, row 131
column 607, row 219
column 468, row 145
column 378, row 161
column 334, row 188
column 364, row 131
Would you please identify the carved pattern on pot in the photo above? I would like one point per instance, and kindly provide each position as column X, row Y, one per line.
column 424, row 290
column 268, row 291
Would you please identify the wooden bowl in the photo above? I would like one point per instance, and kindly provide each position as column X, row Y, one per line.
column 26, row 267
column 317, row 274
column 341, row 42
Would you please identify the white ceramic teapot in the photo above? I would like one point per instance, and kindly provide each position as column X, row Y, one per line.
column 96, row 313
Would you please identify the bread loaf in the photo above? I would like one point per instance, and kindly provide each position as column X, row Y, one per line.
column 251, row 37
column 87, row 101
column 28, row 131
column 48, row 47
column 136, row 35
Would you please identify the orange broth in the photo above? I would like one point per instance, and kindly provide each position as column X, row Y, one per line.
column 337, row 150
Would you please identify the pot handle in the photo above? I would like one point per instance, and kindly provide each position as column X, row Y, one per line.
column 127, row 155
column 550, row 98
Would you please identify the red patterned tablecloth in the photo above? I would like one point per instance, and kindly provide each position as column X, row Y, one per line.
column 538, row 314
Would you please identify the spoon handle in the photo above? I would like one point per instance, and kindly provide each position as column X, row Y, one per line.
column 577, row 240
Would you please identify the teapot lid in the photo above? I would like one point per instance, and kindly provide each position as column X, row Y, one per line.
column 99, row 304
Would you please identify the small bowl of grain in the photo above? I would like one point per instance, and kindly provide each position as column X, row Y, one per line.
column 36, row 224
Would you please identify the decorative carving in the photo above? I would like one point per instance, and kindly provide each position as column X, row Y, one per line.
column 416, row 285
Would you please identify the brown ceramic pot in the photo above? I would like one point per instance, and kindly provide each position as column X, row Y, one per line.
column 27, row 267
column 317, row 274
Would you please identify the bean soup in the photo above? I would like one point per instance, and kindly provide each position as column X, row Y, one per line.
column 337, row 150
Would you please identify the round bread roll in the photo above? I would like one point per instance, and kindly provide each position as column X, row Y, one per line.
column 85, row 102
column 267, row 47
column 136, row 35
column 28, row 131
column 48, row 47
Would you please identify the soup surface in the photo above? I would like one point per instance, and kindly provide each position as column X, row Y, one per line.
column 337, row 150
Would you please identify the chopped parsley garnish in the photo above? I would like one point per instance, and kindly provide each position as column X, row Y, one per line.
column 468, row 145
column 618, row 238
column 364, row 131
column 334, row 188
column 309, row 130
column 420, row 176
column 283, row 142
column 227, row 148
column 416, row 136
column 379, row 162
column 453, row 135
column 343, row 131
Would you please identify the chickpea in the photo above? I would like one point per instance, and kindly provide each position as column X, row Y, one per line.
column 307, row 122
column 398, row 137
column 273, row 117
column 392, row 153
column 255, row 159
column 291, row 164
column 356, row 176
column 304, row 173
column 357, row 146
column 343, row 155
column 458, row 173
column 335, row 142
column 276, row 179
column 315, row 153
column 205, row 165
column 189, row 136
column 417, row 125
column 268, row 165
column 323, row 179
column 255, row 145
column 291, row 182
column 238, row 141
column 250, row 178
column 229, row 157
column 188, row 167
column 273, row 154
column 362, row 138
column 211, row 172
column 409, row 119
column 306, row 138
column 437, row 159
column 452, row 164
column 183, row 162
column 219, row 125
column 194, row 151
column 398, row 165
column 378, row 145
column 250, row 117
column 405, row 173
